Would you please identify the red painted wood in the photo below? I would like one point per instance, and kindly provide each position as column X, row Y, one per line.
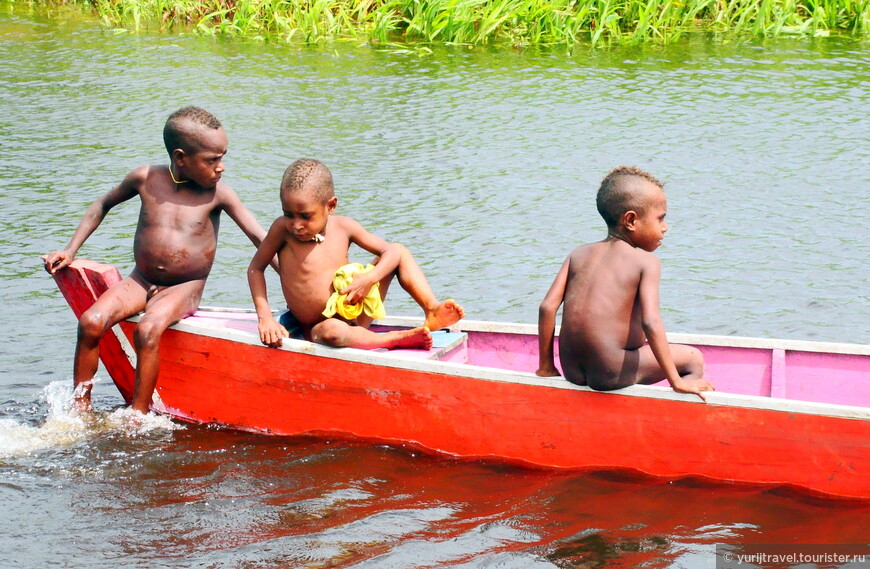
column 245, row 386
column 251, row 387
column 81, row 283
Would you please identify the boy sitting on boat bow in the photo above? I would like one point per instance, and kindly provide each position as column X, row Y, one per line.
column 174, row 247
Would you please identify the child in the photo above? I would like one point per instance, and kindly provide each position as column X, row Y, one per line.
column 174, row 247
column 611, row 295
column 312, row 248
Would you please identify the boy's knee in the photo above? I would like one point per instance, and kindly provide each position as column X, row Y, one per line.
column 698, row 358
column 404, row 252
column 92, row 324
column 330, row 333
column 691, row 360
column 148, row 333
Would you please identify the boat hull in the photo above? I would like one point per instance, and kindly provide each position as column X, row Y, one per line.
column 221, row 375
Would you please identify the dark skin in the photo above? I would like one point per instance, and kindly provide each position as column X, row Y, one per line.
column 174, row 248
column 612, row 335
column 307, row 268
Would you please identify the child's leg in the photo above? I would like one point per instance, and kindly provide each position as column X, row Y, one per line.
column 438, row 314
column 640, row 366
column 688, row 360
column 165, row 308
column 119, row 302
column 340, row 334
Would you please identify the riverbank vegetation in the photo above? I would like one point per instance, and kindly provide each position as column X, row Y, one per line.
column 475, row 22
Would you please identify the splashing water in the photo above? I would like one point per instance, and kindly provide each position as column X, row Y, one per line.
column 133, row 423
column 64, row 426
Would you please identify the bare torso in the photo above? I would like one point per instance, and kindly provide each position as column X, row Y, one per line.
column 601, row 316
column 176, row 236
column 308, row 269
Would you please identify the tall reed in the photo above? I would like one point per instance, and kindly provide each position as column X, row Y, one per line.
column 513, row 22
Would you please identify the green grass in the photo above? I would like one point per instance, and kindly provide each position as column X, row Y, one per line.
column 476, row 22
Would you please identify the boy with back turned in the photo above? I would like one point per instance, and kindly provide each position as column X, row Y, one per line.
column 612, row 335
column 174, row 247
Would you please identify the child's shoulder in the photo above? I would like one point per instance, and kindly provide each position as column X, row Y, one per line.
column 626, row 252
column 146, row 172
column 342, row 219
column 344, row 223
column 587, row 249
column 141, row 177
column 226, row 195
column 642, row 260
column 613, row 251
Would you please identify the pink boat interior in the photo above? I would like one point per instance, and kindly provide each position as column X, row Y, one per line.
column 799, row 371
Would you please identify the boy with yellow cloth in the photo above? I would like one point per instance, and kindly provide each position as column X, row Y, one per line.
column 312, row 247
column 372, row 304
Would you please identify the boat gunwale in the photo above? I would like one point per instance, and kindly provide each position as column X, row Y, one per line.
column 398, row 361
column 674, row 337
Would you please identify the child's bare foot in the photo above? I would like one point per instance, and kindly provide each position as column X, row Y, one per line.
column 445, row 314
column 547, row 371
column 134, row 421
column 82, row 406
column 82, row 397
column 418, row 338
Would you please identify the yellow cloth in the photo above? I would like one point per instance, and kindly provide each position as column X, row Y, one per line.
column 371, row 304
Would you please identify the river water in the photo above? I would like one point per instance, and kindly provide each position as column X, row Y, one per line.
column 484, row 162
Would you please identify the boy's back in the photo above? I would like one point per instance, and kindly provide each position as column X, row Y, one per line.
column 601, row 314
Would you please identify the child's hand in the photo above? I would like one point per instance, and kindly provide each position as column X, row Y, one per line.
column 547, row 371
column 357, row 290
column 696, row 386
column 271, row 332
column 56, row 260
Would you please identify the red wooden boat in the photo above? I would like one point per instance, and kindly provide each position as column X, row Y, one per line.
column 785, row 413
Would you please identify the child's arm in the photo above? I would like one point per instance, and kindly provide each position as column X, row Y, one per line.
column 246, row 221
column 94, row 215
column 547, row 323
column 655, row 329
column 389, row 255
column 271, row 332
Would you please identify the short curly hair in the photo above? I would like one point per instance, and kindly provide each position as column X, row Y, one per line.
column 308, row 174
column 619, row 193
column 181, row 126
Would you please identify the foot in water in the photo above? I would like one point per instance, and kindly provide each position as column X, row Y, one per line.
column 82, row 406
column 134, row 421
column 82, row 397
column 444, row 315
column 416, row 338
